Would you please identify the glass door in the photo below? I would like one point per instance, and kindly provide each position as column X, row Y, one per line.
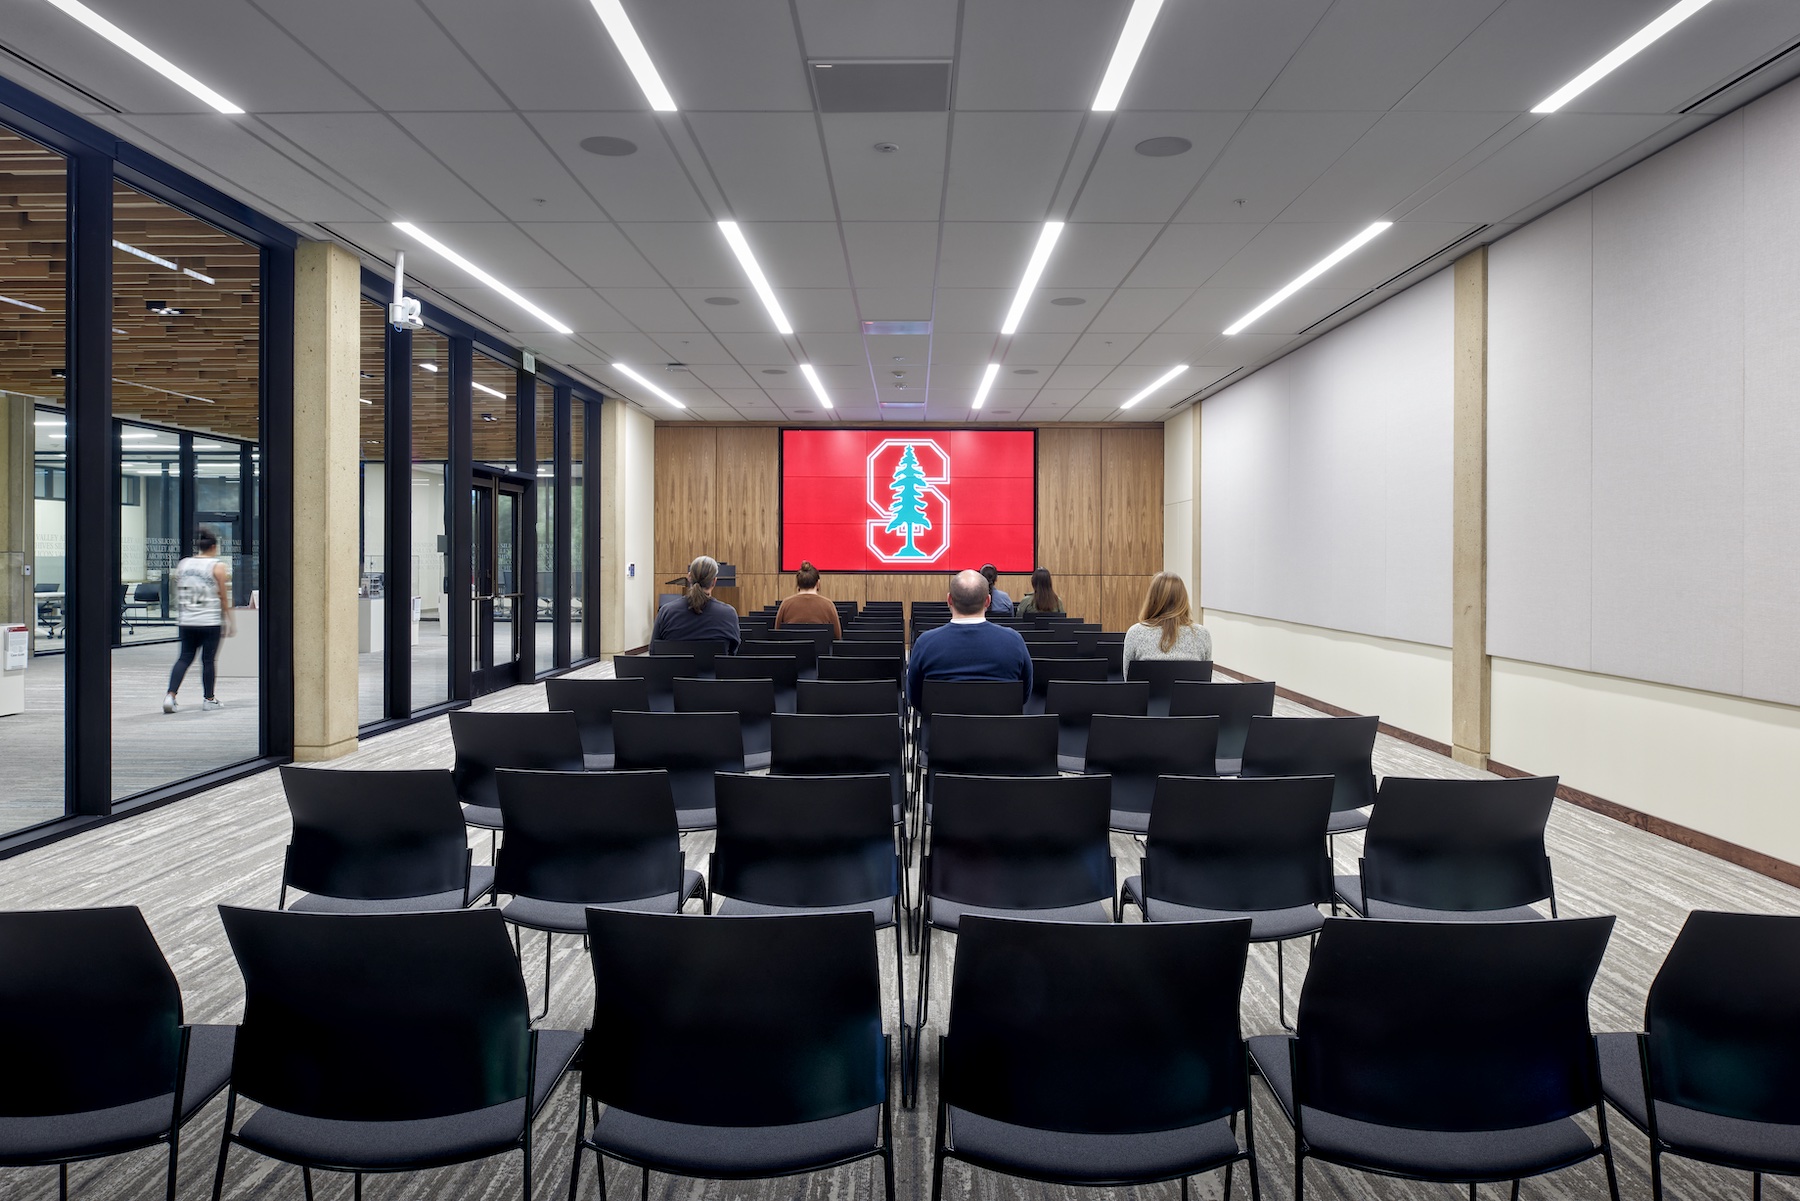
column 496, row 505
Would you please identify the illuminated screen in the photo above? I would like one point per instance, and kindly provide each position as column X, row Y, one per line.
column 908, row 500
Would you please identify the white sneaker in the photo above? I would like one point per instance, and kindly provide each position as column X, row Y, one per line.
column 210, row 703
column 169, row 703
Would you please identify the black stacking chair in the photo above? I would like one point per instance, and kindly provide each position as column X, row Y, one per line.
column 605, row 840
column 660, row 672
column 1135, row 751
column 848, row 696
column 1046, row 671
column 1343, row 747
column 704, row 651
column 1233, row 704
column 1012, row 847
column 691, row 747
column 862, row 667
column 99, row 1061
column 1018, row 745
column 1720, row 1051
column 385, row 1043
column 1087, row 644
column 1114, row 654
column 1228, row 848
column 1455, row 850
column 864, row 631
column 1451, row 1053
column 803, row 650
column 986, row 698
column 1161, row 675
column 850, row 744
column 377, row 842
column 869, row 648
column 1129, row 1070
column 1075, row 704
column 821, row 636
column 487, row 742
column 593, row 702
column 737, row 1049
column 784, row 670
column 752, row 700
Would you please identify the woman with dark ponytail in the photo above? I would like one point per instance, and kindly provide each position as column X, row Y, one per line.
column 700, row 618
column 806, row 607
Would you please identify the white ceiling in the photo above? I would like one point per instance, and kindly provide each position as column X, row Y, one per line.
column 1308, row 118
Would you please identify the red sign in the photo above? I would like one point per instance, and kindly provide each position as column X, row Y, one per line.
column 908, row 500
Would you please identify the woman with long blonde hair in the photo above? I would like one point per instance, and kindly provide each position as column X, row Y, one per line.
column 1166, row 628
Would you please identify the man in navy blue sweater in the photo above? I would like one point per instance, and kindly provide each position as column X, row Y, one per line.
column 969, row 647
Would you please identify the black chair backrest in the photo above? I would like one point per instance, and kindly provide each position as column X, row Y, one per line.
column 1135, row 751
column 1078, row 702
column 660, row 670
column 780, row 1016
column 378, row 1017
column 1161, row 675
column 848, row 696
column 679, row 742
column 1114, row 654
column 802, row 650
column 92, row 1011
column 1045, row 671
column 819, row 635
column 872, row 648
column 593, row 702
column 784, row 670
column 704, row 651
column 865, row 631
column 592, row 839
column 1015, row 843
column 1233, row 704
column 990, row 698
column 1237, row 844
column 1459, row 844
column 805, row 840
column 1314, row 746
column 1450, row 1025
column 1115, row 637
column 1034, row 633
column 857, row 667
column 1087, row 643
column 1052, row 1022
column 487, row 742
column 993, row 746
column 751, row 700
column 1719, row 1022
column 374, row 835
column 808, row 744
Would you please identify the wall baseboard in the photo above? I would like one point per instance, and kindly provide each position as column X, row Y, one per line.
column 1313, row 702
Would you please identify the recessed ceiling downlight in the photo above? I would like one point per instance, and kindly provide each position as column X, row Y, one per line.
column 774, row 370
column 722, row 301
column 1069, row 302
column 1166, row 147
column 609, row 146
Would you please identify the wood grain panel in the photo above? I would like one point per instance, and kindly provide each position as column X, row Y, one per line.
column 844, row 586
column 747, row 494
column 762, row 588
column 1069, row 499
column 687, row 458
column 1123, row 600
column 1131, row 525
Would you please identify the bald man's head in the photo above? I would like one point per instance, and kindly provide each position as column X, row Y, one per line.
column 968, row 593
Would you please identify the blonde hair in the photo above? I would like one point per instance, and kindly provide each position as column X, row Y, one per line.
column 702, row 572
column 1166, row 606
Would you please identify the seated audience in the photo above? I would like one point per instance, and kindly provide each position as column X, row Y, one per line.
column 969, row 647
column 1167, row 629
column 698, row 617
column 1002, row 604
column 1042, row 598
column 806, row 607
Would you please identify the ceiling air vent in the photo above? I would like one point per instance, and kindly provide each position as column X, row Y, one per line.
column 881, row 87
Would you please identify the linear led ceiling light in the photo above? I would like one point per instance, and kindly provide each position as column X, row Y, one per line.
column 1311, row 273
column 758, row 280
column 1621, row 54
column 162, row 262
column 494, row 392
column 414, row 232
column 1162, row 379
column 1040, row 257
column 623, row 370
column 1125, row 55
column 987, row 381
column 24, row 304
column 144, row 54
column 812, row 377
column 631, row 49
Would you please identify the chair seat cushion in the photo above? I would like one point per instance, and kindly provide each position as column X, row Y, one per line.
column 481, row 879
column 1349, row 890
column 882, row 908
column 1072, row 764
column 386, row 1146
column 756, row 760
column 1266, row 925
column 1345, row 821
column 695, row 819
column 948, row 915
column 1099, row 1158
column 1130, row 821
column 737, row 1150
column 1229, row 767
column 570, row 917
column 1693, row 1133
column 485, row 817
column 28, row 1140
column 1454, row 1155
column 598, row 762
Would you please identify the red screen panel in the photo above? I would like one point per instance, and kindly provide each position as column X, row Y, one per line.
column 908, row 500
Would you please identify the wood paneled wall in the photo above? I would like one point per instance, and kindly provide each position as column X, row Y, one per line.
column 1100, row 518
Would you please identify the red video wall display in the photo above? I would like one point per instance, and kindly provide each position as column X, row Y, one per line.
column 908, row 500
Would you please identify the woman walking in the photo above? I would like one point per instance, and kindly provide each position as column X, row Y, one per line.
column 203, row 615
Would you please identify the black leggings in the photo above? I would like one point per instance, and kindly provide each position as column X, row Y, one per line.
column 205, row 640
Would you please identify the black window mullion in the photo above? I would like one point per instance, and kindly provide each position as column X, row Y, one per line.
column 396, row 583
column 563, row 529
column 458, row 479
column 525, row 618
column 590, row 548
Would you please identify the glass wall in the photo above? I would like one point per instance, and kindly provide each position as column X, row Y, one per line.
column 576, row 584
column 427, row 575
column 547, row 528
column 371, row 590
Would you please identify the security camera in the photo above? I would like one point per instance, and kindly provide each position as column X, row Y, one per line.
column 405, row 312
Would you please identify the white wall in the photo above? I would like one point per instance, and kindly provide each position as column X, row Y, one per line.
column 1180, row 498
column 628, row 526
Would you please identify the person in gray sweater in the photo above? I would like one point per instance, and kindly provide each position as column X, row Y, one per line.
column 1166, row 629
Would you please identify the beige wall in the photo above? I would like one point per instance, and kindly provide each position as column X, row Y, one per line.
column 1181, row 497
column 627, row 526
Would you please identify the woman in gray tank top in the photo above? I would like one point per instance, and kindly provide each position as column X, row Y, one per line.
column 202, row 614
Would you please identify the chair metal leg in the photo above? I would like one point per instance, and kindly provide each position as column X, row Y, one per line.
column 937, row 1177
column 306, row 1182
column 900, row 1003
column 575, row 1158
column 1471, row 1190
column 1655, row 1173
column 174, row 1155
column 887, row 1168
column 1281, row 983
column 911, row 1076
column 1184, row 1193
column 356, row 1185
column 1756, row 1186
column 1515, row 1191
column 1299, row 1176
column 646, row 1192
column 62, row 1181
column 546, row 1010
column 224, row 1144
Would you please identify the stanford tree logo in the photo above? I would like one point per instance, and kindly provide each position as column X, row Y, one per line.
column 903, row 488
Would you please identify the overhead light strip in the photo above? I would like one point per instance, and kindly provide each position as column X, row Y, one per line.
column 494, row 392
column 24, row 304
column 812, row 377
column 419, row 235
column 631, row 49
column 1125, row 55
column 1620, row 55
column 1311, row 273
column 1040, row 258
column 628, row 373
column 428, row 366
column 162, row 262
column 1162, row 379
column 747, row 260
column 987, row 382
column 144, row 54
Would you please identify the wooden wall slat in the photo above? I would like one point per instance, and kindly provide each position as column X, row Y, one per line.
column 1069, row 500
column 687, row 461
column 1123, row 600
column 1131, row 478
column 748, row 494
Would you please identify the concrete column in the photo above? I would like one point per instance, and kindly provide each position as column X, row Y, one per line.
column 327, row 293
column 1470, row 674
column 18, row 443
column 627, row 526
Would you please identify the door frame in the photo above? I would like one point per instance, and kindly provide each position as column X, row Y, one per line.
column 486, row 674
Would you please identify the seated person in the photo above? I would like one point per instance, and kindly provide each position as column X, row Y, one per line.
column 698, row 617
column 969, row 647
column 1002, row 604
column 1166, row 629
column 1042, row 598
column 806, row 607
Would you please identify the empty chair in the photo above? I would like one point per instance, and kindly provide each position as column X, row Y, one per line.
column 660, row 672
column 1075, row 704
column 1114, row 654
column 752, row 700
column 848, row 696
column 1233, row 704
column 783, row 670
column 1227, row 848
column 1719, row 1051
column 607, row 840
column 1161, row 675
column 377, row 842
column 691, row 747
column 1045, row 671
column 1135, row 751
column 990, row 698
column 843, row 744
column 593, row 702
column 1342, row 747
column 802, row 649
column 864, row 631
column 1131, row 1069
column 861, row 667
column 487, row 742
column 736, row 1048
column 385, row 1043
column 703, row 650
column 1457, row 850
column 1087, row 642
column 1453, row 1053
column 1017, row 745
column 821, row 636
column 99, row 1060
column 1033, row 634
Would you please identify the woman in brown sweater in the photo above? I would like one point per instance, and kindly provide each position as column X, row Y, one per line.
column 806, row 607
